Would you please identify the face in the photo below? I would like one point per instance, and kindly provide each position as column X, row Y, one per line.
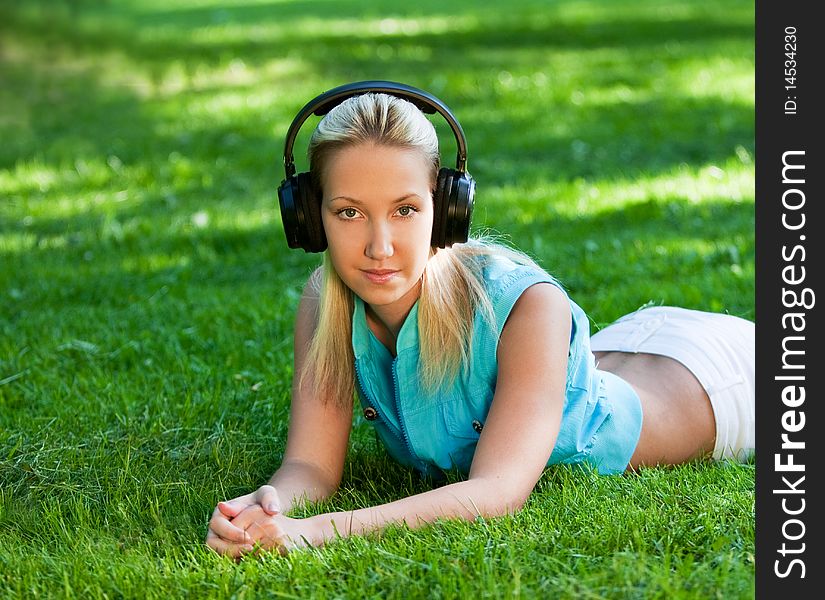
column 377, row 212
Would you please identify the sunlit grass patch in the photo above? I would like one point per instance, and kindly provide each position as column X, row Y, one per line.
column 147, row 295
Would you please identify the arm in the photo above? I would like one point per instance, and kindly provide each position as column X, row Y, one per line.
column 529, row 399
column 316, row 443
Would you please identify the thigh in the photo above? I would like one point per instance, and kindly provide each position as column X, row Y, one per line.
column 678, row 423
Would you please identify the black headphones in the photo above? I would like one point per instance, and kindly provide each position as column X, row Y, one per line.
column 452, row 198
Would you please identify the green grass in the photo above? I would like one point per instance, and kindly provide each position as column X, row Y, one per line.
column 147, row 293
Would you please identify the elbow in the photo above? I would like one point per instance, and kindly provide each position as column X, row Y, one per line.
column 503, row 507
column 514, row 504
column 503, row 499
column 329, row 490
column 318, row 483
column 326, row 487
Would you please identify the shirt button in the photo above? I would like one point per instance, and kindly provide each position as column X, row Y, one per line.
column 370, row 414
column 477, row 426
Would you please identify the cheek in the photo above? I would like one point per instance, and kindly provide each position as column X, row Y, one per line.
column 426, row 231
column 326, row 223
column 334, row 230
column 418, row 244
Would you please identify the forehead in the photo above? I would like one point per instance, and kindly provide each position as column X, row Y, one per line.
column 369, row 167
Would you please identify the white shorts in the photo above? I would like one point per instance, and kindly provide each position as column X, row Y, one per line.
column 718, row 349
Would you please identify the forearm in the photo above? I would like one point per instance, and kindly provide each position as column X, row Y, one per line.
column 296, row 481
column 463, row 500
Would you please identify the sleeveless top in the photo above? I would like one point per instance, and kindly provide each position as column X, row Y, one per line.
column 436, row 433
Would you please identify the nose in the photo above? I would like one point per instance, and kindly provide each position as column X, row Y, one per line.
column 379, row 244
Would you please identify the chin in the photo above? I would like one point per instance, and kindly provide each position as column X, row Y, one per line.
column 382, row 294
column 378, row 297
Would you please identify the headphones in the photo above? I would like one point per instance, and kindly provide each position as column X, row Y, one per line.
column 300, row 200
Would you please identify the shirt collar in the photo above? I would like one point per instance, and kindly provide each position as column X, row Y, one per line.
column 407, row 337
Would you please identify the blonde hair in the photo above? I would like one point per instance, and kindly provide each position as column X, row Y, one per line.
column 378, row 118
column 452, row 287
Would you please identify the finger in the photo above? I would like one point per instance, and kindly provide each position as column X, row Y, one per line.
column 268, row 537
column 224, row 528
column 225, row 548
column 231, row 508
column 267, row 497
column 227, row 509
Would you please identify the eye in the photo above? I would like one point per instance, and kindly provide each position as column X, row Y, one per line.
column 407, row 211
column 347, row 213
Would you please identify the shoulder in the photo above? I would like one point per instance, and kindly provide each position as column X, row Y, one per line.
column 540, row 304
column 542, row 296
column 536, row 338
column 513, row 286
column 508, row 272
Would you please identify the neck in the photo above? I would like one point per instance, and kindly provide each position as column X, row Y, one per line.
column 391, row 317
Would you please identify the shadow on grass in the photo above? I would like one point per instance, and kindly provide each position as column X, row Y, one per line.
column 73, row 114
column 328, row 29
column 675, row 240
column 114, row 254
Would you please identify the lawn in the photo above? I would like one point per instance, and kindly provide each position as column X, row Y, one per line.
column 147, row 293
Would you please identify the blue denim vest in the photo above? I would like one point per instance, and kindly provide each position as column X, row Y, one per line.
column 435, row 433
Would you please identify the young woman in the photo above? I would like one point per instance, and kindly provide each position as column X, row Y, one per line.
column 463, row 356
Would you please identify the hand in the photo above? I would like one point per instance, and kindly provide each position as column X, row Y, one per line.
column 223, row 536
column 273, row 532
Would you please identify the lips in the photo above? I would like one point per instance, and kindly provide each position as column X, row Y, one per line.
column 379, row 275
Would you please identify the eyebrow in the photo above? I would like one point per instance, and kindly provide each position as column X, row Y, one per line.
column 358, row 202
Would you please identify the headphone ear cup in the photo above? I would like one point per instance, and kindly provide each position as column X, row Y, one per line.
column 460, row 214
column 315, row 239
column 441, row 201
column 291, row 216
column 438, row 207
column 301, row 214
column 453, row 208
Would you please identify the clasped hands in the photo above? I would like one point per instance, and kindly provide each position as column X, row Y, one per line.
column 253, row 523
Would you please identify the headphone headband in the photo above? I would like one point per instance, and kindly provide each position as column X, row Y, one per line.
column 299, row 197
column 322, row 104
